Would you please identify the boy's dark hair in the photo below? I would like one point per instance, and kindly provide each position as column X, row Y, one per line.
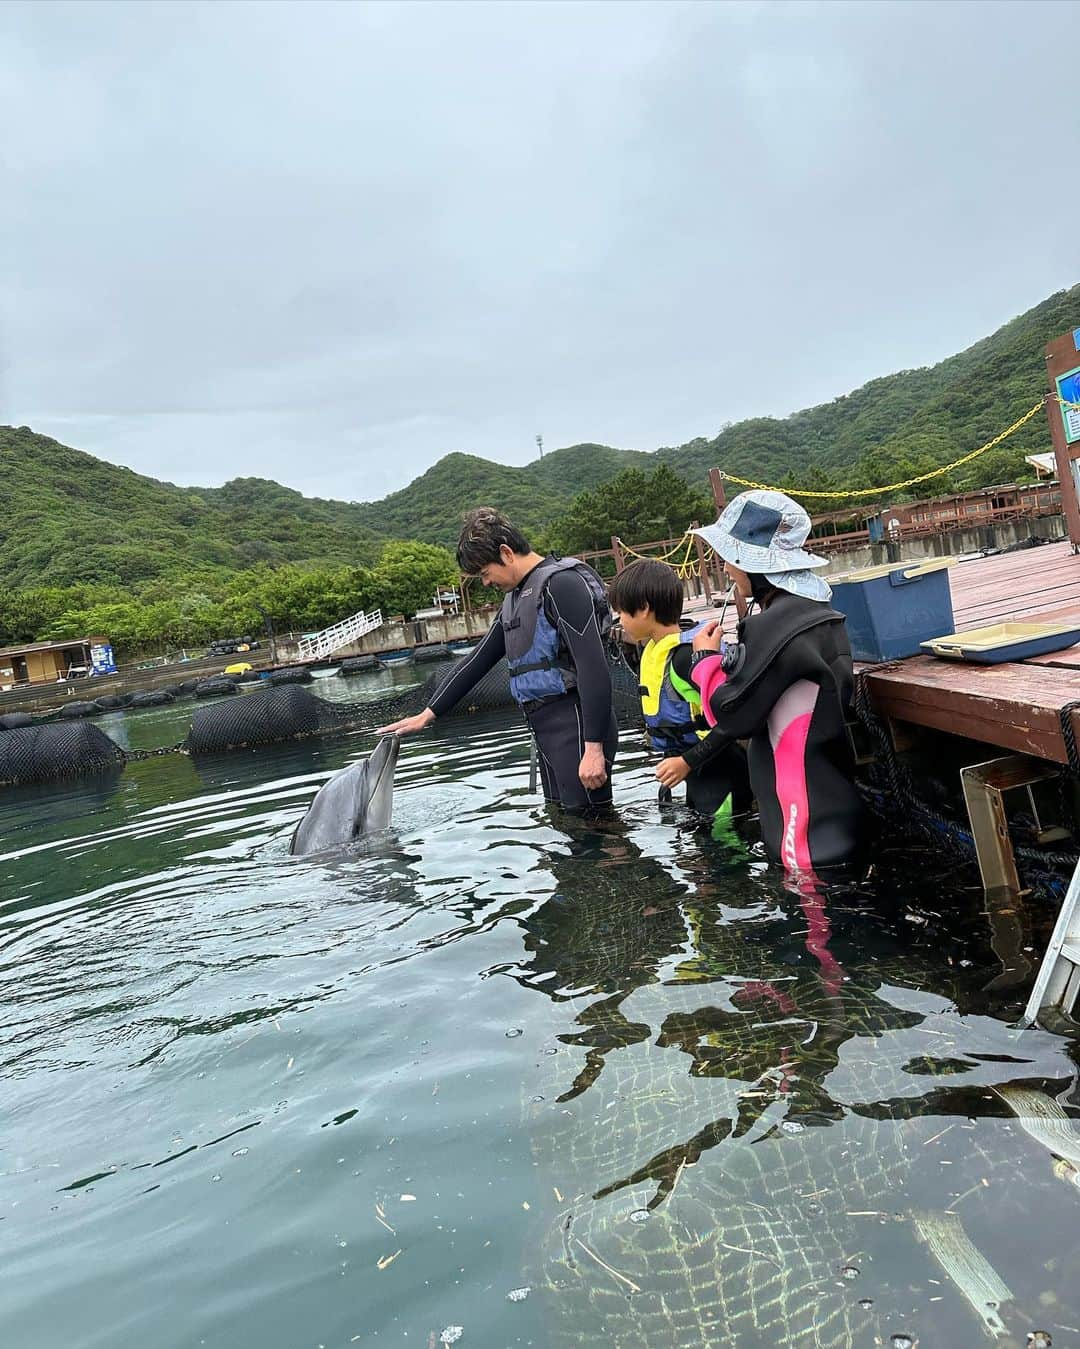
column 648, row 583
column 484, row 531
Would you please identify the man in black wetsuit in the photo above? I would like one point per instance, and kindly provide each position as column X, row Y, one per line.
column 552, row 630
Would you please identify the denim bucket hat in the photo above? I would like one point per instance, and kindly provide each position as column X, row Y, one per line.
column 763, row 532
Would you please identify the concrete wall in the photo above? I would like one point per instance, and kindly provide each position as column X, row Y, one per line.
column 420, row 632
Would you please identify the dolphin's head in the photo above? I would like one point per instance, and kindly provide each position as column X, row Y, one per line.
column 356, row 801
column 375, row 812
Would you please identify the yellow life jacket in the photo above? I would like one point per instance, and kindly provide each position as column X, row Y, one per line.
column 671, row 706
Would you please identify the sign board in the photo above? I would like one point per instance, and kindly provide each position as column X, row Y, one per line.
column 101, row 660
column 1063, row 375
column 1068, row 387
column 1076, row 338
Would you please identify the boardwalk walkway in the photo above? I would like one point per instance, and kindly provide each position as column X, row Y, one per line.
column 1016, row 706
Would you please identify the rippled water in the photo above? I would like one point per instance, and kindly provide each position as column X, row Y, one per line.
column 251, row 1100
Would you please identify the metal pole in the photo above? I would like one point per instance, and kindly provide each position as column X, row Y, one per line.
column 271, row 639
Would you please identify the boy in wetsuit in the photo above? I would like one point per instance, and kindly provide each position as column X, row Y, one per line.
column 647, row 596
column 552, row 631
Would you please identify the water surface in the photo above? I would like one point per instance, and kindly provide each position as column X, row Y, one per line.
column 255, row 1100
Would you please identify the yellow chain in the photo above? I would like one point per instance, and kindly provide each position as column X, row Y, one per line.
column 907, row 482
column 648, row 557
column 683, row 568
column 686, row 567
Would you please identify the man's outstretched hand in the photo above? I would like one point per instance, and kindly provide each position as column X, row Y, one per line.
column 407, row 725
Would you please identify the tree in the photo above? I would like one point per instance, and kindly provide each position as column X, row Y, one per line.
column 408, row 575
column 636, row 506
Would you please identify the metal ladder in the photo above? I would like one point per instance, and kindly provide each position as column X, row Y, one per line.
column 1058, row 981
column 341, row 634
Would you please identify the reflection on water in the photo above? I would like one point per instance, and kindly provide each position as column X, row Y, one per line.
column 252, row 1099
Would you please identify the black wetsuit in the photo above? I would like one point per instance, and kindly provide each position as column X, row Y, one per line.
column 561, row 725
column 790, row 695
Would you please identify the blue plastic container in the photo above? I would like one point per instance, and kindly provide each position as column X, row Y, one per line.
column 890, row 610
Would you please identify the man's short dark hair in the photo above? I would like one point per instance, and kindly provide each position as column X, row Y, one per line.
column 483, row 533
column 648, row 583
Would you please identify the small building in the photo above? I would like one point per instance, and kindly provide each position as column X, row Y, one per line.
column 52, row 662
column 445, row 603
column 1045, row 465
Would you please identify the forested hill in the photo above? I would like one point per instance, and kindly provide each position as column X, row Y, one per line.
column 66, row 517
column 888, row 429
column 430, row 507
column 904, row 423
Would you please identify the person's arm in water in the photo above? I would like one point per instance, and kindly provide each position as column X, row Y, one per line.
column 457, row 683
column 678, row 767
column 570, row 604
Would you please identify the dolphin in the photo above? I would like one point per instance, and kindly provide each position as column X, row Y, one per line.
column 356, row 801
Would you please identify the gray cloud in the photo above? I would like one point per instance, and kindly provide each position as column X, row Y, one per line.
column 328, row 243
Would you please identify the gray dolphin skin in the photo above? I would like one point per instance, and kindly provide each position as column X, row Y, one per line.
column 356, row 801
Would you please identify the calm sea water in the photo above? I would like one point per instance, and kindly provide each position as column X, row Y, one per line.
column 251, row 1100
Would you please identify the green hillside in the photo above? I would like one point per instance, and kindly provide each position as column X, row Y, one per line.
column 68, row 518
column 921, row 418
column 430, row 507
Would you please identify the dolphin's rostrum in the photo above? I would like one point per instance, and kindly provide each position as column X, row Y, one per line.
column 356, row 801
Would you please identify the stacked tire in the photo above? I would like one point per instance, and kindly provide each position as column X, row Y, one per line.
column 218, row 687
column 291, row 674
column 353, row 665
column 152, row 698
column 113, row 702
column 424, row 654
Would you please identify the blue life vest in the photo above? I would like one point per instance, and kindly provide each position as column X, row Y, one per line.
column 540, row 666
column 671, row 709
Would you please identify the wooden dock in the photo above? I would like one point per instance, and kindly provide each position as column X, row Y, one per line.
column 1016, row 706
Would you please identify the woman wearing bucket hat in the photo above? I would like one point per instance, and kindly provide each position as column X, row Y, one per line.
column 786, row 685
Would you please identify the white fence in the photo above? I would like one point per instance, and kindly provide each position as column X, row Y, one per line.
column 341, row 634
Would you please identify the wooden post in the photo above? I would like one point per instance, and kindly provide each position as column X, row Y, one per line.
column 703, row 567
column 616, row 549
column 716, row 482
column 1063, row 358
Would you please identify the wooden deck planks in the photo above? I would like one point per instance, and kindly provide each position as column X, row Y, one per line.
column 1068, row 659
column 1014, row 706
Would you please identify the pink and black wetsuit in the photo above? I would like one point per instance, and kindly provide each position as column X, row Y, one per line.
column 789, row 696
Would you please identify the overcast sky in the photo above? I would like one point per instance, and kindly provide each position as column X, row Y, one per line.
column 329, row 243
